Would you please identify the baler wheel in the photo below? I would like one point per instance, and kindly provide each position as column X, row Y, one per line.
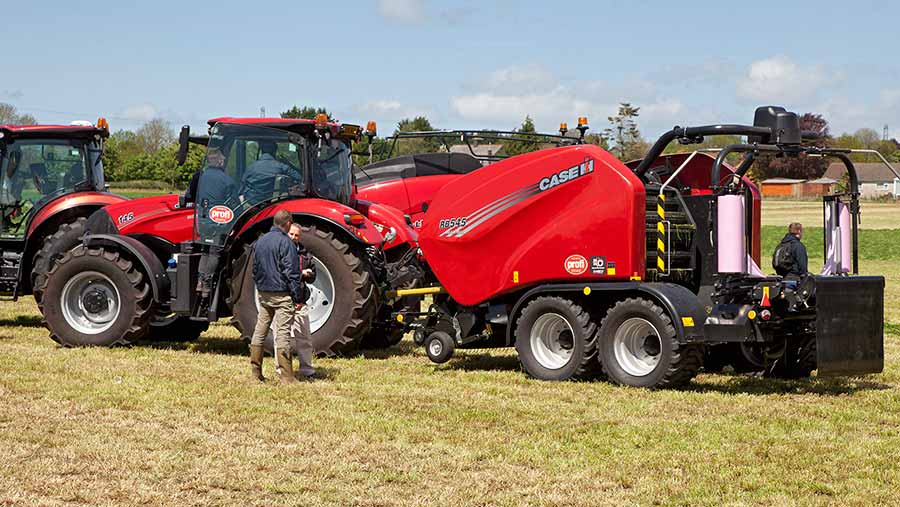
column 439, row 346
column 639, row 347
column 556, row 340
column 67, row 237
column 95, row 297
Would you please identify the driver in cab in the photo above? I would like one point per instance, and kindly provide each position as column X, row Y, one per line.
column 258, row 183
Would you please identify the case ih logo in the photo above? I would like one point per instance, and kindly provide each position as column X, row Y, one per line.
column 221, row 214
column 576, row 264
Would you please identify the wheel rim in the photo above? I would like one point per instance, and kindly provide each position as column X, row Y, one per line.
column 552, row 341
column 321, row 297
column 90, row 302
column 637, row 347
column 435, row 348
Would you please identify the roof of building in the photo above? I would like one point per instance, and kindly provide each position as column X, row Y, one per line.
column 781, row 181
column 824, row 180
column 868, row 172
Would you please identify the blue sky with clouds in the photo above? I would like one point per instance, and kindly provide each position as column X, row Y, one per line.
column 464, row 64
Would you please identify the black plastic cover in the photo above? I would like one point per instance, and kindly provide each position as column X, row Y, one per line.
column 412, row 166
column 765, row 116
column 849, row 325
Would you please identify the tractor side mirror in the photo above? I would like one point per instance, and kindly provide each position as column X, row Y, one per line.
column 184, row 140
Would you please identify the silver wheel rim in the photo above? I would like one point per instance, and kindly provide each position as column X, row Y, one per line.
column 637, row 347
column 90, row 302
column 321, row 298
column 435, row 348
column 552, row 341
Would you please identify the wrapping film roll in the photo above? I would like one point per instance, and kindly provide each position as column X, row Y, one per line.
column 844, row 222
column 732, row 251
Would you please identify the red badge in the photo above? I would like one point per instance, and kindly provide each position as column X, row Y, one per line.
column 221, row 214
column 576, row 264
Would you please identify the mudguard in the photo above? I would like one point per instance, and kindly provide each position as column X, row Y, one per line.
column 67, row 202
column 333, row 212
column 682, row 305
column 849, row 325
column 151, row 265
column 384, row 217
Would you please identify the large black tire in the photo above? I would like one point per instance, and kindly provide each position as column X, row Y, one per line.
column 651, row 362
column 175, row 329
column 556, row 340
column 355, row 296
column 129, row 324
column 67, row 237
column 796, row 360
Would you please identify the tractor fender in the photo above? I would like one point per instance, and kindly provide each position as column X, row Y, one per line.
column 384, row 217
column 683, row 306
column 92, row 200
column 333, row 212
column 149, row 262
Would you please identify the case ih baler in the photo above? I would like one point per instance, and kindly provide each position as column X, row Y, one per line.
column 582, row 263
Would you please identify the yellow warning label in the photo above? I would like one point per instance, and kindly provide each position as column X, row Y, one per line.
column 515, row 277
column 610, row 270
column 687, row 321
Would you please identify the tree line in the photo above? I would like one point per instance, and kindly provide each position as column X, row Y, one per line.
column 147, row 154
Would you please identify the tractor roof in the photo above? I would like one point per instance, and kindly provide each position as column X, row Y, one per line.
column 298, row 125
column 52, row 131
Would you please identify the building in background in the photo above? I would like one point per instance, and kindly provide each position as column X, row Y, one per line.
column 782, row 187
column 875, row 179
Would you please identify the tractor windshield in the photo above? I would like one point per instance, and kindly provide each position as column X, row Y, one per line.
column 34, row 171
column 332, row 177
column 246, row 166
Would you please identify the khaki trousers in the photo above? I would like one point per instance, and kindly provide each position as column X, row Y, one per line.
column 302, row 340
column 279, row 307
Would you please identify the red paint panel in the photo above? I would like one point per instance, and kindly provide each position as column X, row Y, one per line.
column 599, row 213
column 70, row 201
column 329, row 210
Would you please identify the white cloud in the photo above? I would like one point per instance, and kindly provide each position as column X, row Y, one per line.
column 381, row 107
column 403, row 11
column 140, row 112
column 779, row 79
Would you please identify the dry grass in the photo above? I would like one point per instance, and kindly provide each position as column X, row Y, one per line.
column 179, row 424
column 875, row 215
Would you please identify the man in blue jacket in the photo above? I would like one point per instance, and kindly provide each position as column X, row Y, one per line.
column 279, row 284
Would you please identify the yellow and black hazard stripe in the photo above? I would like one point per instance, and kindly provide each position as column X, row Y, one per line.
column 661, row 240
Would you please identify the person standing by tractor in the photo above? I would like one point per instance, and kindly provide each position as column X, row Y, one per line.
column 279, row 284
column 300, row 325
column 789, row 258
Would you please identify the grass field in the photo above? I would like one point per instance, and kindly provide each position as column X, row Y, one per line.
column 176, row 424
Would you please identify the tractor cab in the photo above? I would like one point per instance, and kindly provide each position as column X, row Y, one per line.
column 50, row 175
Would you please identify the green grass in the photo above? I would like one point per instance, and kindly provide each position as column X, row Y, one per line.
column 137, row 193
column 180, row 424
column 874, row 244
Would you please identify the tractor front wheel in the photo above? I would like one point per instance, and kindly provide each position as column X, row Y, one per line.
column 95, row 297
column 67, row 237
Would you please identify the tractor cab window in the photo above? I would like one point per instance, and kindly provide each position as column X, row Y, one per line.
column 332, row 174
column 245, row 167
column 32, row 172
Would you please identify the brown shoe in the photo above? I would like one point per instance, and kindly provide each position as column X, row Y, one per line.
column 283, row 358
column 256, row 361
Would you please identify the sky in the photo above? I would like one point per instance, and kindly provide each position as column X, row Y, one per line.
column 463, row 64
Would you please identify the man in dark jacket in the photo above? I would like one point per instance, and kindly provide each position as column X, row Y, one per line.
column 276, row 271
column 789, row 259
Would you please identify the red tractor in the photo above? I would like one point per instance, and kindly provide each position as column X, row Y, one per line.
column 51, row 180
column 175, row 263
column 582, row 263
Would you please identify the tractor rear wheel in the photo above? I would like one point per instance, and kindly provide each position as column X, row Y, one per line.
column 67, row 237
column 343, row 301
column 556, row 340
column 94, row 297
column 639, row 347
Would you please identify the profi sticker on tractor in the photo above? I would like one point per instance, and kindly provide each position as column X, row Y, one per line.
column 685, row 244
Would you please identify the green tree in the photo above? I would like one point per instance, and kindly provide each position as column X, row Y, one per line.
column 154, row 135
column 512, row 148
column 305, row 112
column 10, row 115
column 804, row 168
column 623, row 130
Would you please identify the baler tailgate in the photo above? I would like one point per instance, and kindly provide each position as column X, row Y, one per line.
column 850, row 325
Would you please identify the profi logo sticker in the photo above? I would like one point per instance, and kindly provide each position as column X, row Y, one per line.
column 576, row 264
column 598, row 265
column 221, row 214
